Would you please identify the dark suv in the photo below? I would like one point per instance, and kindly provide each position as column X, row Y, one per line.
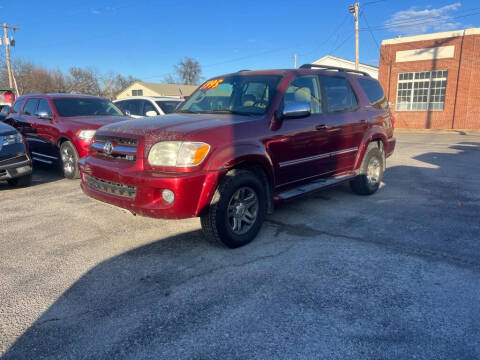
column 60, row 127
column 243, row 142
column 15, row 165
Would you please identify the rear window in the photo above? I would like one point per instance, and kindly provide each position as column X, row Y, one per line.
column 168, row 106
column 70, row 107
column 372, row 89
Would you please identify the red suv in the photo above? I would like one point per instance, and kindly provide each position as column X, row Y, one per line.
column 243, row 142
column 60, row 127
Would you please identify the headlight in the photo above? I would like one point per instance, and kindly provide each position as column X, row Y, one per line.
column 86, row 134
column 11, row 139
column 177, row 153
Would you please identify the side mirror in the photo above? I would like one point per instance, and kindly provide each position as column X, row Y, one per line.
column 44, row 115
column 296, row 109
column 151, row 113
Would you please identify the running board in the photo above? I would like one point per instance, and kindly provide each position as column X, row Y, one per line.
column 313, row 186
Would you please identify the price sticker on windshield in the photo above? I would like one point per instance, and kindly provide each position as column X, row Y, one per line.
column 211, row 84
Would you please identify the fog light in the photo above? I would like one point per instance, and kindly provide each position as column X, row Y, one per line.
column 168, row 196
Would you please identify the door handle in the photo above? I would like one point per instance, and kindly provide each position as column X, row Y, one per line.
column 321, row 127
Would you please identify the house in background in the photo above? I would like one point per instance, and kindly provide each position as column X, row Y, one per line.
column 140, row 88
column 433, row 79
column 330, row 60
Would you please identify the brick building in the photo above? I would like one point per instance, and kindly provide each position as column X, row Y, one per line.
column 433, row 80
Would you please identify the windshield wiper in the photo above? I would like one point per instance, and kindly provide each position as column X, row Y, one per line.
column 186, row 111
column 233, row 112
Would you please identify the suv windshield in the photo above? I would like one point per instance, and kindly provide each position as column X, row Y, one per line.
column 237, row 94
column 168, row 106
column 70, row 107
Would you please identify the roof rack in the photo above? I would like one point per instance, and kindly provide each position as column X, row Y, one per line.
column 327, row 67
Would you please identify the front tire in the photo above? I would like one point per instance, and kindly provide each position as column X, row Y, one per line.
column 237, row 210
column 373, row 166
column 69, row 157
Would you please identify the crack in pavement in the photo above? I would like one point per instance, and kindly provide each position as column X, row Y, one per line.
column 302, row 230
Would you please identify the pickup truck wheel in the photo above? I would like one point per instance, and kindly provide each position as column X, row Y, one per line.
column 69, row 157
column 237, row 210
column 23, row 181
column 371, row 171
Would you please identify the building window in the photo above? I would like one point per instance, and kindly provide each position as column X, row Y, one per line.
column 424, row 90
column 137, row 92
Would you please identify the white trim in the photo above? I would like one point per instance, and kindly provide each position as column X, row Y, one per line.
column 434, row 36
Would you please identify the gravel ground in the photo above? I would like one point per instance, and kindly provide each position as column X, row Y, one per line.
column 333, row 275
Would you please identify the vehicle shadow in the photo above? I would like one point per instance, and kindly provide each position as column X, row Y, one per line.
column 161, row 293
column 42, row 174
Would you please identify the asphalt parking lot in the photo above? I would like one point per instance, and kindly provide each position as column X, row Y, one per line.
column 334, row 275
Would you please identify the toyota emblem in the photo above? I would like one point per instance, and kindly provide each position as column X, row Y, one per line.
column 108, row 148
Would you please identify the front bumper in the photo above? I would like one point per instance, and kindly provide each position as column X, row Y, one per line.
column 15, row 166
column 140, row 191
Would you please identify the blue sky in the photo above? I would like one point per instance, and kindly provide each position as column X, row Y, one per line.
column 145, row 38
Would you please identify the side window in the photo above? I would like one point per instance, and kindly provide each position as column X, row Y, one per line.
column 120, row 104
column 148, row 106
column 30, row 107
column 133, row 106
column 373, row 90
column 44, row 106
column 305, row 89
column 17, row 106
column 339, row 93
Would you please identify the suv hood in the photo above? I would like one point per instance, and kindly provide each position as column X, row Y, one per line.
column 173, row 126
column 97, row 121
column 6, row 129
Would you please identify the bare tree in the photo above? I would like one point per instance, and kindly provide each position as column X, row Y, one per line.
column 189, row 71
column 113, row 83
column 84, row 81
column 170, row 79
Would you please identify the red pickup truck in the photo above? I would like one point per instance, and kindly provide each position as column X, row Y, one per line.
column 243, row 142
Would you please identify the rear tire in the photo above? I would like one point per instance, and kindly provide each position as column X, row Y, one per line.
column 69, row 157
column 23, row 181
column 237, row 210
column 373, row 166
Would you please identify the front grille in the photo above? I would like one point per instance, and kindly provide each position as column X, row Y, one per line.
column 109, row 187
column 117, row 140
column 122, row 148
column 13, row 159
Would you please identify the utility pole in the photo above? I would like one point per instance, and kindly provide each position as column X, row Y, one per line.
column 295, row 61
column 6, row 41
column 354, row 10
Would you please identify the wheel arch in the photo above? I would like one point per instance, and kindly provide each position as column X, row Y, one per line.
column 377, row 135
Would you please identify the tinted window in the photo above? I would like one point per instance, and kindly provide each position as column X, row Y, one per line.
column 17, row 106
column 237, row 94
column 69, row 107
column 44, row 106
column 305, row 89
column 168, row 106
column 373, row 89
column 148, row 106
column 133, row 106
column 30, row 107
column 340, row 96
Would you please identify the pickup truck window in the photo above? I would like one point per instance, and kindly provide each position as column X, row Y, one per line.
column 70, row 107
column 237, row 94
